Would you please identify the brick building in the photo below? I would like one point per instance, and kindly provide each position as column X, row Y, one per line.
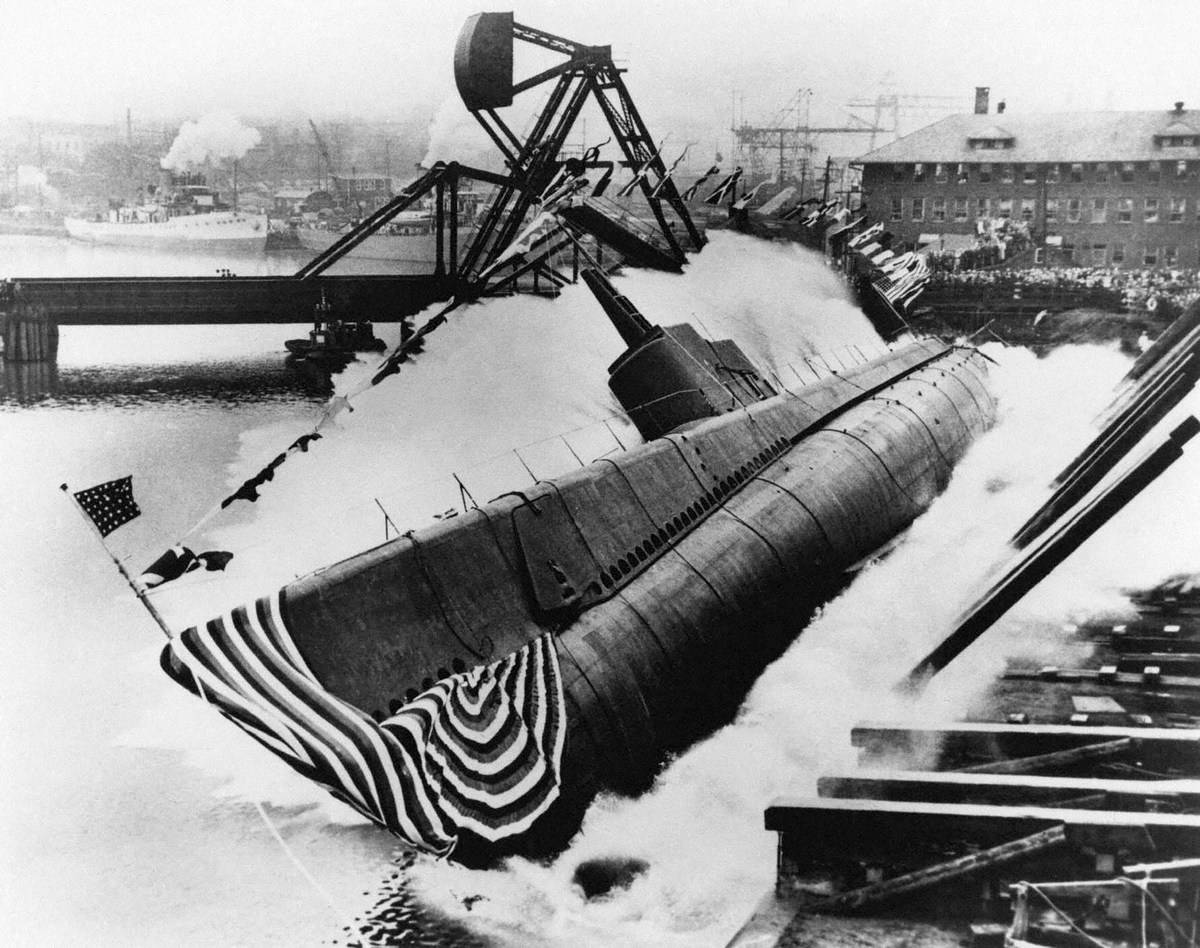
column 1111, row 188
column 363, row 192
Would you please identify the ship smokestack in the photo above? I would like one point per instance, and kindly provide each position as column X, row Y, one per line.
column 981, row 99
column 631, row 324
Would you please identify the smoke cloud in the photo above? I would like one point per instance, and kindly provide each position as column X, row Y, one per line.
column 216, row 135
column 455, row 136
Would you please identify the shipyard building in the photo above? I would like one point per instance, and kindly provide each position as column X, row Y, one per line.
column 1076, row 188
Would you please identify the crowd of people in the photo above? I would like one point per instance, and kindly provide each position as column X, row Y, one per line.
column 1135, row 289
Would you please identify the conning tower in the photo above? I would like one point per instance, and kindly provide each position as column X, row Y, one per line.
column 671, row 378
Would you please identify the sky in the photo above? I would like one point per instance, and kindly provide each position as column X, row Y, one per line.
column 90, row 61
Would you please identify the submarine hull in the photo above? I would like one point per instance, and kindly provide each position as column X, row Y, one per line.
column 661, row 581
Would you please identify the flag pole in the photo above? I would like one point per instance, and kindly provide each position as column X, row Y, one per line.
column 138, row 590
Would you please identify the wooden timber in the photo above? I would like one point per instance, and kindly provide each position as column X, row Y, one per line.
column 962, row 744
column 1003, row 789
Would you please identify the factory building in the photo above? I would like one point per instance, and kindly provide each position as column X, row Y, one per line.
column 1084, row 188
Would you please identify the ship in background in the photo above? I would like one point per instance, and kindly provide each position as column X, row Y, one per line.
column 183, row 213
column 409, row 237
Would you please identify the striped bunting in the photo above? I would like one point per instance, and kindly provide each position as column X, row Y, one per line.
column 479, row 751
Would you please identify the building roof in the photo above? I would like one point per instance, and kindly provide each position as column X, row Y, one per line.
column 1055, row 136
column 992, row 131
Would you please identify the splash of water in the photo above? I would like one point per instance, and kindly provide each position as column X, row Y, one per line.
column 514, row 371
column 700, row 827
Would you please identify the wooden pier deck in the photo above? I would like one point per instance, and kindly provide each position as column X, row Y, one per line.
column 1067, row 780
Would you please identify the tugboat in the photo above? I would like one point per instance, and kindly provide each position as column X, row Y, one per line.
column 333, row 341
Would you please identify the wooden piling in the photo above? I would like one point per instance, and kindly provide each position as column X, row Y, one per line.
column 30, row 334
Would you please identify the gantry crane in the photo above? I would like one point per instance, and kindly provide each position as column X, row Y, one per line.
column 896, row 102
column 792, row 143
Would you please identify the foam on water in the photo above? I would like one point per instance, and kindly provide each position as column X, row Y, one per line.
column 515, row 371
column 700, row 827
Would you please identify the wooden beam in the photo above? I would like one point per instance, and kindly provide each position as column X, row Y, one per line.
column 867, row 897
column 1004, row 789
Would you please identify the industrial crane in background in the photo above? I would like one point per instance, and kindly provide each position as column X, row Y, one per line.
column 322, row 153
column 790, row 136
column 894, row 103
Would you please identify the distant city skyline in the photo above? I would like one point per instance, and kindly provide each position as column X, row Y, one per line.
column 699, row 65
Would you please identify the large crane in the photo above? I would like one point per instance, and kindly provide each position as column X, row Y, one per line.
column 895, row 103
column 322, row 153
column 790, row 136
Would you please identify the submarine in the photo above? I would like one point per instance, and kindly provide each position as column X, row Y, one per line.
column 472, row 685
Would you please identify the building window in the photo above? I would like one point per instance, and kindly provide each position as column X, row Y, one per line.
column 1005, row 210
column 940, row 175
column 1099, row 254
column 897, row 172
column 960, row 209
column 1101, row 172
column 1127, row 171
column 985, row 172
column 1154, row 172
column 1178, row 210
column 981, row 209
column 1030, row 176
column 1052, row 173
column 1006, row 174
column 1118, row 253
column 918, row 210
column 1068, row 252
column 1027, row 209
column 1170, row 256
column 897, row 209
column 1125, row 210
column 1074, row 210
column 939, row 210
column 1151, row 215
column 1150, row 257
column 1051, row 210
column 1099, row 211
column 919, row 172
column 1180, row 170
column 962, row 177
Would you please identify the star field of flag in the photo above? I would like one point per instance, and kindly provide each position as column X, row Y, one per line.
column 109, row 504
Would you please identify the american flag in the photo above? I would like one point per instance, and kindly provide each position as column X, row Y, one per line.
column 110, row 504
column 478, row 752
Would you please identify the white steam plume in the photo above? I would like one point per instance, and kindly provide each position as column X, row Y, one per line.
column 216, row 135
column 455, row 135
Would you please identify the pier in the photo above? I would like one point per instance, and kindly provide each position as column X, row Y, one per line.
column 1074, row 782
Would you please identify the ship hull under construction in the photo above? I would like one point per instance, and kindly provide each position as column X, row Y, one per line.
column 664, row 579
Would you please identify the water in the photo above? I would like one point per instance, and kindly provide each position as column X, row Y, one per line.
column 130, row 811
